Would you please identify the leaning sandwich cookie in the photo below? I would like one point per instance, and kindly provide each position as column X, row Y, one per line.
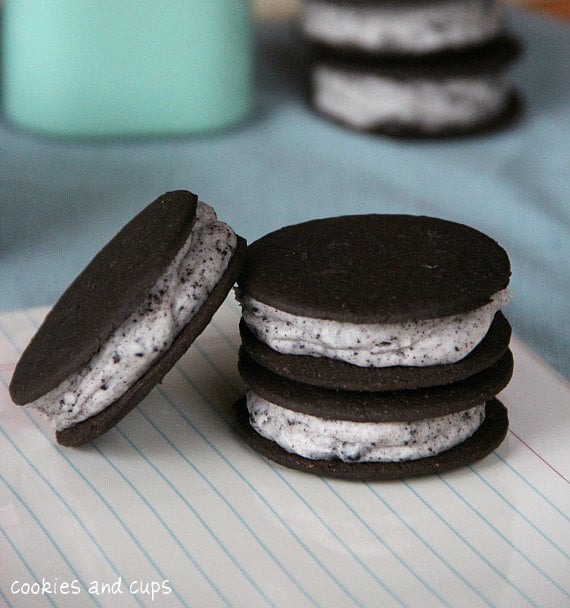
column 389, row 309
column 128, row 317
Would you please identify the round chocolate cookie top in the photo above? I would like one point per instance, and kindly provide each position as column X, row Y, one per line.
column 114, row 283
column 375, row 268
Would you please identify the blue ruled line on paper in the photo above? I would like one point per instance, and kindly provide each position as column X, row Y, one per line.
column 566, row 516
column 147, row 555
column 56, row 492
column 242, row 476
column 283, row 479
column 66, row 505
column 507, row 541
column 430, row 548
column 21, row 557
column 202, row 521
column 548, row 585
column 459, row 535
column 356, row 558
column 530, row 523
column 2, row 594
column 163, row 523
column 49, row 537
column 510, row 583
column 252, row 486
column 10, row 339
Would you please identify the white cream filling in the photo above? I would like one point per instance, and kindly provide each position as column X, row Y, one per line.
column 369, row 101
column 320, row 439
column 148, row 331
column 408, row 27
column 415, row 343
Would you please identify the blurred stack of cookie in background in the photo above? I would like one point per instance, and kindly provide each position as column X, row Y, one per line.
column 426, row 68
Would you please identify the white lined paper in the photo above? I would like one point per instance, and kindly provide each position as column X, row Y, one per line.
column 173, row 494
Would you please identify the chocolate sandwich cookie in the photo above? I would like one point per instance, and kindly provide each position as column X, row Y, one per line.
column 373, row 346
column 128, row 317
column 377, row 292
column 488, row 436
column 338, row 374
column 409, row 27
column 439, row 95
column 373, row 436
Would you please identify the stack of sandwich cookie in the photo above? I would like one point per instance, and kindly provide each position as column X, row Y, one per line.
column 373, row 346
column 128, row 317
column 422, row 68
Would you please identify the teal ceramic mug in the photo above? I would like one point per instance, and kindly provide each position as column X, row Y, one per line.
column 126, row 67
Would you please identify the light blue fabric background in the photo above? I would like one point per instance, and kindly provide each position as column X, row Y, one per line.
column 60, row 201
